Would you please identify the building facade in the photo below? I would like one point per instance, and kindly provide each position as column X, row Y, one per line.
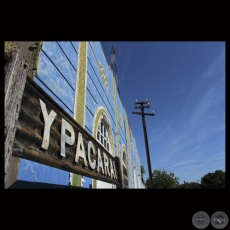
column 77, row 76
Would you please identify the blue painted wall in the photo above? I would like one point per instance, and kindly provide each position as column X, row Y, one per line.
column 56, row 74
column 97, row 95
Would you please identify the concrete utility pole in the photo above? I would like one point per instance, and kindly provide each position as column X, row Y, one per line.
column 142, row 106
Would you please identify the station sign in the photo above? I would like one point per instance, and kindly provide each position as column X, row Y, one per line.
column 47, row 134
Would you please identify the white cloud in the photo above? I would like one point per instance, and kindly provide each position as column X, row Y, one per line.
column 157, row 135
column 217, row 67
column 183, row 142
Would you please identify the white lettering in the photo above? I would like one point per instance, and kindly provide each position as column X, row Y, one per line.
column 64, row 137
column 114, row 169
column 91, row 163
column 111, row 168
column 99, row 162
column 106, row 164
column 68, row 136
column 80, row 152
column 48, row 122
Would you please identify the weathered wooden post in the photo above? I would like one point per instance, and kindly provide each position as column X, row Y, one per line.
column 14, row 82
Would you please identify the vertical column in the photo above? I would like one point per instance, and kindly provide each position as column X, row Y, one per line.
column 80, row 97
column 15, row 78
column 116, row 115
column 128, row 151
column 117, row 128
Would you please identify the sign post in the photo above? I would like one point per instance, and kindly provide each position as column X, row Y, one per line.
column 15, row 78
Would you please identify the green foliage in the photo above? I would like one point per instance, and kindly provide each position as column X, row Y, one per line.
column 163, row 180
column 190, row 185
column 142, row 172
column 214, row 180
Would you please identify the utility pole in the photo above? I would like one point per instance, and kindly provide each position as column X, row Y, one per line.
column 142, row 106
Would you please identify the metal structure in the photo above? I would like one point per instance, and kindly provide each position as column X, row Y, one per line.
column 142, row 106
column 114, row 67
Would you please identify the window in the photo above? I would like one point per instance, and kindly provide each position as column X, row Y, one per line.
column 102, row 135
column 102, row 131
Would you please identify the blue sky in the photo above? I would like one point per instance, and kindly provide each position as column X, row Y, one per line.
column 184, row 83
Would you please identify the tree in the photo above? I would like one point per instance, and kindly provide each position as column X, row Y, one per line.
column 143, row 171
column 190, row 185
column 214, row 180
column 161, row 179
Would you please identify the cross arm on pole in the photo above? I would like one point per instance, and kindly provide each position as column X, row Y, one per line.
column 141, row 102
column 142, row 106
column 149, row 114
column 136, row 113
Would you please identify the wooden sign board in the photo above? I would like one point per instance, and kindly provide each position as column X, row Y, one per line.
column 48, row 135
